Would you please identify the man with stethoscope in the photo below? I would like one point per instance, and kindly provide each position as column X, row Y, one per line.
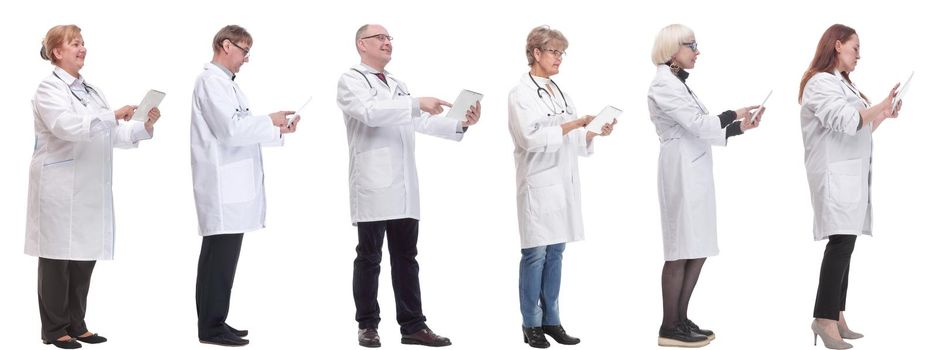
column 227, row 177
column 381, row 118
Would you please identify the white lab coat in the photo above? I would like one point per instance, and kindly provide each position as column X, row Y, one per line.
column 836, row 156
column 227, row 169
column 70, row 209
column 546, row 169
column 686, row 131
column 380, row 129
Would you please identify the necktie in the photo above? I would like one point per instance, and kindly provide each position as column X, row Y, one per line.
column 381, row 76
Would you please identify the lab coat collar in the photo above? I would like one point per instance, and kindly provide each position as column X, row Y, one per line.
column 68, row 78
column 367, row 69
column 219, row 68
column 526, row 80
column 682, row 74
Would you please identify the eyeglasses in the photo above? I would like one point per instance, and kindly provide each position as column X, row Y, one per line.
column 556, row 52
column 247, row 52
column 380, row 37
column 692, row 45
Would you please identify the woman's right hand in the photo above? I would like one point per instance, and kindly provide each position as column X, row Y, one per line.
column 745, row 112
column 888, row 111
column 581, row 122
column 124, row 113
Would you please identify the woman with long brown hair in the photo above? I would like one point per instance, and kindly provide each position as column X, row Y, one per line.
column 837, row 122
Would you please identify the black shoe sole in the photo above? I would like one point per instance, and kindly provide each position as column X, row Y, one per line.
column 369, row 345
column 220, row 344
column 409, row 341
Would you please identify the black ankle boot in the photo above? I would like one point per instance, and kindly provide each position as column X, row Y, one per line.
column 534, row 337
column 560, row 335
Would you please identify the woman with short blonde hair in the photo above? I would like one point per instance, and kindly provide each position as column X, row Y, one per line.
column 686, row 130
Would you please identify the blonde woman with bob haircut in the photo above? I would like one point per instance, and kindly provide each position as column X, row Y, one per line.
column 70, row 208
column 686, row 130
column 549, row 139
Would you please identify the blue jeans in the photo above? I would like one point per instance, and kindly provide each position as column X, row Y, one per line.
column 539, row 285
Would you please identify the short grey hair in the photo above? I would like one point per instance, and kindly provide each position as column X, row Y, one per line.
column 539, row 37
column 669, row 42
column 359, row 33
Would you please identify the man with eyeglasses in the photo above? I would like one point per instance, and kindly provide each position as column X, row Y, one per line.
column 381, row 119
column 227, row 177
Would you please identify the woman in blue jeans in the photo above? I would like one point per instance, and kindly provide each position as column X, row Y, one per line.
column 548, row 139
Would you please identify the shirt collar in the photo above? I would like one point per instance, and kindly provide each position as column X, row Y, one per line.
column 224, row 70
column 68, row 78
column 368, row 69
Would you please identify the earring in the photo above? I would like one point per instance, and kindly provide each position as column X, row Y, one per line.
column 675, row 68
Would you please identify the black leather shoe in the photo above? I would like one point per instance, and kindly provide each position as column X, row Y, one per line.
column 681, row 336
column 369, row 338
column 534, row 337
column 92, row 339
column 241, row 334
column 225, row 339
column 560, row 335
column 64, row 344
column 425, row 337
column 693, row 327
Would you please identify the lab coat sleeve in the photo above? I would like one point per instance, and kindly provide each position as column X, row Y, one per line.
column 439, row 126
column 53, row 104
column 528, row 134
column 217, row 103
column 355, row 100
column 824, row 95
column 681, row 107
column 127, row 135
column 584, row 147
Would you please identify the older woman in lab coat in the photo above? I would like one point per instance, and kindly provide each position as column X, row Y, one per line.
column 548, row 139
column 837, row 123
column 70, row 211
column 686, row 130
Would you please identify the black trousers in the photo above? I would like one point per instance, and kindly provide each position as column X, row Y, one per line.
column 217, row 264
column 63, row 296
column 402, row 245
column 835, row 268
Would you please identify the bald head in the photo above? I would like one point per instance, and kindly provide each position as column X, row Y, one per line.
column 374, row 45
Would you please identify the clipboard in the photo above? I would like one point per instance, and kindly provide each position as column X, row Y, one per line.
column 465, row 99
column 902, row 91
column 293, row 116
column 762, row 106
column 151, row 100
column 606, row 116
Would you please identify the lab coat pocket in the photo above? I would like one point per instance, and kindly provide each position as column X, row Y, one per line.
column 374, row 168
column 237, row 181
column 546, row 193
column 56, row 186
column 845, row 181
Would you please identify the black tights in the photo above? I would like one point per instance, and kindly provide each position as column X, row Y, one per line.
column 678, row 279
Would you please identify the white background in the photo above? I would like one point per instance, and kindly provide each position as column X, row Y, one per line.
column 293, row 289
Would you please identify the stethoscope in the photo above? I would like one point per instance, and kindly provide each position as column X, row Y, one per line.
column 374, row 92
column 88, row 89
column 553, row 103
column 241, row 111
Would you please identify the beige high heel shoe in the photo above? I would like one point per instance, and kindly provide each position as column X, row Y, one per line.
column 846, row 333
column 829, row 342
